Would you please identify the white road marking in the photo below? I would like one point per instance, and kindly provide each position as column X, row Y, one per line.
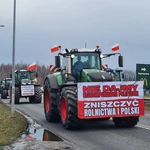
column 143, row 126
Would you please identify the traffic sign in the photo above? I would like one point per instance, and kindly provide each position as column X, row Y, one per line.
column 143, row 74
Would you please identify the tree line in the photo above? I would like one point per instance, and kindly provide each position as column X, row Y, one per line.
column 43, row 71
column 6, row 70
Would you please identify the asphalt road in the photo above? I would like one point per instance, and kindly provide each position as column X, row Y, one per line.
column 97, row 135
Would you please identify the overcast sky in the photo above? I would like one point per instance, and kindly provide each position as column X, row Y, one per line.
column 40, row 24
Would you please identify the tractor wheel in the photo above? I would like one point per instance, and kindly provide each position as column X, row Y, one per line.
column 38, row 94
column 68, row 108
column 31, row 99
column 4, row 94
column 50, row 103
column 17, row 95
column 1, row 93
column 126, row 121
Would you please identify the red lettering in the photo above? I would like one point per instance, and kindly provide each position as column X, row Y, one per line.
column 113, row 88
column 106, row 88
column 91, row 89
column 134, row 87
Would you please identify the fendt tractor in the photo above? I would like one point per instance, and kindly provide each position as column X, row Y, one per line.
column 26, row 87
column 81, row 90
column 4, row 87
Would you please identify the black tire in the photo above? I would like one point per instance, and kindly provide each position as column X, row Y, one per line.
column 31, row 99
column 50, row 103
column 68, row 109
column 38, row 94
column 4, row 94
column 126, row 121
column 17, row 95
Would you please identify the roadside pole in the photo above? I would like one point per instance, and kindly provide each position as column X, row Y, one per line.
column 13, row 62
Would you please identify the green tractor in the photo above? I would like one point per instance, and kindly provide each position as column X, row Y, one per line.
column 26, row 87
column 62, row 88
column 4, row 87
column 117, row 74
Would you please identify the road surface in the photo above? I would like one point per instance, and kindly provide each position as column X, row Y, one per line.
column 97, row 135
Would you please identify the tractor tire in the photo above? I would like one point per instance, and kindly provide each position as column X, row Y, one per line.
column 17, row 95
column 4, row 94
column 68, row 108
column 126, row 121
column 50, row 103
column 31, row 99
column 38, row 94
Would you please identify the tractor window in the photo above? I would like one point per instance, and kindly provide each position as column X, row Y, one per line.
column 90, row 60
column 24, row 75
column 86, row 61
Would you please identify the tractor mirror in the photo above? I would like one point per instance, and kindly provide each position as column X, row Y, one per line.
column 120, row 61
column 123, row 76
column 10, row 75
column 57, row 61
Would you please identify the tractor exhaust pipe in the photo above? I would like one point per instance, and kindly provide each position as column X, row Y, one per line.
column 68, row 64
column 57, row 61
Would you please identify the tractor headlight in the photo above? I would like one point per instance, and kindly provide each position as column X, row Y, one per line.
column 35, row 79
column 101, row 56
column 66, row 75
column 72, row 56
column 23, row 83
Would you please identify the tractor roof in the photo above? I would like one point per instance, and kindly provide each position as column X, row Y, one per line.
column 83, row 50
column 22, row 70
column 8, row 78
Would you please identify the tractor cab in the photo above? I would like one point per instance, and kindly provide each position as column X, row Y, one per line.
column 84, row 65
column 23, row 77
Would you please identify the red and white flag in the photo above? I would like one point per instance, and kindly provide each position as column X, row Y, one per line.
column 55, row 48
column 115, row 47
column 52, row 68
column 104, row 67
column 32, row 66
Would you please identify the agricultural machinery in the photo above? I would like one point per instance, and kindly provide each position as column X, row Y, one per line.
column 4, row 87
column 26, row 87
column 81, row 90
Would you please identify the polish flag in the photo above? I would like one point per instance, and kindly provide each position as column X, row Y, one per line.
column 55, row 48
column 52, row 68
column 104, row 67
column 32, row 66
column 115, row 47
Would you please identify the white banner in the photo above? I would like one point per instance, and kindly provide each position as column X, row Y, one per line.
column 110, row 90
column 27, row 90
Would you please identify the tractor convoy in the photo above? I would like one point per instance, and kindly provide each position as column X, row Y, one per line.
column 81, row 90
column 26, row 87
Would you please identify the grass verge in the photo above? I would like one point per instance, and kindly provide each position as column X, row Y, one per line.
column 11, row 127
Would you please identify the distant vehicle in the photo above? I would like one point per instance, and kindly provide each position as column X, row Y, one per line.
column 26, row 86
column 4, row 87
column 117, row 74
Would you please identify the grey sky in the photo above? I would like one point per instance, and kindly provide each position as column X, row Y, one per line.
column 43, row 23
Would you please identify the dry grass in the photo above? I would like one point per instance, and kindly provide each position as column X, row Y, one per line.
column 11, row 127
